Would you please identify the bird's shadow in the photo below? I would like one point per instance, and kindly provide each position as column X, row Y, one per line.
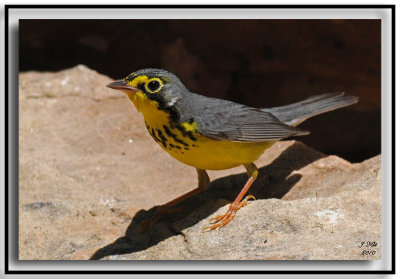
column 274, row 181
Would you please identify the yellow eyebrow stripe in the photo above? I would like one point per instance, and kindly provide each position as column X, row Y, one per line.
column 139, row 79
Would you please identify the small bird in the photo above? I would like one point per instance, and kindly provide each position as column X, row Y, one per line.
column 214, row 134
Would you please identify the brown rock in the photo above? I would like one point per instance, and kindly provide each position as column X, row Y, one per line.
column 89, row 174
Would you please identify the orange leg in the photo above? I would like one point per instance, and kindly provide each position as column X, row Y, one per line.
column 222, row 220
column 203, row 183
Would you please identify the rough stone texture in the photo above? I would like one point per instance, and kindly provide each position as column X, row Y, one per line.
column 89, row 174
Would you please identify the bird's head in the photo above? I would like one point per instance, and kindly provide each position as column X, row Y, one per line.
column 153, row 86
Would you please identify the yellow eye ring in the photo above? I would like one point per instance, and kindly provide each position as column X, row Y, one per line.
column 153, row 85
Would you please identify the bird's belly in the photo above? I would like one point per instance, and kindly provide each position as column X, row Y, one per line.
column 204, row 153
column 211, row 154
column 193, row 149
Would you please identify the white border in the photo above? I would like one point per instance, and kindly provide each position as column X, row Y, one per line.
column 17, row 14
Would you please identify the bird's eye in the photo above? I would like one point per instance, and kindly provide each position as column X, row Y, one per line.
column 153, row 86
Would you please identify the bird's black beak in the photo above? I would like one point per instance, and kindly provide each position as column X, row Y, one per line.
column 122, row 85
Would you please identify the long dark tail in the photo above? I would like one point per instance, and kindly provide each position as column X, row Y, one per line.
column 296, row 113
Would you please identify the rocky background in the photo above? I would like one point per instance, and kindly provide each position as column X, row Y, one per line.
column 260, row 63
column 89, row 173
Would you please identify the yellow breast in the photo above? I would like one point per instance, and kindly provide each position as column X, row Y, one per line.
column 184, row 143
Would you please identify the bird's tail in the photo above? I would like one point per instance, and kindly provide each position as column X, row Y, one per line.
column 296, row 113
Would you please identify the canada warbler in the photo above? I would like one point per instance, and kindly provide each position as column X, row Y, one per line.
column 214, row 134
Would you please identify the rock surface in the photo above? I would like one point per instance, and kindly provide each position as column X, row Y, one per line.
column 89, row 174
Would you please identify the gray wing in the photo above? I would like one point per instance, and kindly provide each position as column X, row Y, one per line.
column 236, row 122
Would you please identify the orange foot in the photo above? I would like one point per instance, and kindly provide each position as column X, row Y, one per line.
column 222, row 220
column 160, row 213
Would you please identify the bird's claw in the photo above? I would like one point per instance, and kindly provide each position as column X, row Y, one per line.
column 222, row 220
column 160, row 213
